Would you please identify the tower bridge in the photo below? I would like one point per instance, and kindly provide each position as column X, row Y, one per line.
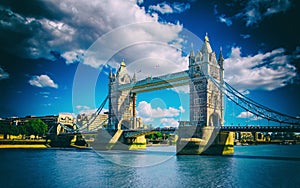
column 205, row 132
column 206, row 101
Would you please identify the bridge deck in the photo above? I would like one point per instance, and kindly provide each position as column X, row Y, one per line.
column 260, row 128
column 131, row 133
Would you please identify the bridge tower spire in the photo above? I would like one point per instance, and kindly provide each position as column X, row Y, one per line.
column 221, row 59
column 192, row 53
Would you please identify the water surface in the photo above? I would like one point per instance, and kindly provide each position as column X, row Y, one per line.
column 250, row 166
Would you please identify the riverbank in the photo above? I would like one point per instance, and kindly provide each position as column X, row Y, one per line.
column 18, row 146
column 31, row 144
column 155, row 145
column 23, row 144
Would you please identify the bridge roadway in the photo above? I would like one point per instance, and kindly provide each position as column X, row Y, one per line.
column 292, row 128
column 282, row 128
column 138, row 132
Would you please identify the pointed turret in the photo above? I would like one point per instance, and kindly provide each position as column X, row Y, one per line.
column 110, row 74
column 134, row 77
column 221, row 59
column 123, row 63
column 122, row 68
column 192, row 54
column 206, row 48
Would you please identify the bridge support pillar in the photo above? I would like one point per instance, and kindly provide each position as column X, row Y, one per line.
column 254, row 134
column 137, row 143
column 116, row 140
column 195, row 140
column 223, row 144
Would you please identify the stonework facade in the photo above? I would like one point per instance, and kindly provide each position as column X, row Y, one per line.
column 121, row 102
column 206, row 101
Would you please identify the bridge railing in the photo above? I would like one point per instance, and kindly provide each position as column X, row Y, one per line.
column 290, row 128
column 138, row 132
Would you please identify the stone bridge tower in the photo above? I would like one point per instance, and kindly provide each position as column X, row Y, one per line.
column 122, row 111
column 206, row 106
column 206, row 101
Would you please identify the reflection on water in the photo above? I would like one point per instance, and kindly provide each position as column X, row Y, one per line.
column 142, row 158
column 250, row 166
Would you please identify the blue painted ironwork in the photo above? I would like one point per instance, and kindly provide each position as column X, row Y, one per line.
column 157, row 83
column 140, row 132
column 251, row 106
column 291, row 128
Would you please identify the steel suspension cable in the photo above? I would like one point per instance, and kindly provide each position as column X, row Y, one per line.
column 252, row 106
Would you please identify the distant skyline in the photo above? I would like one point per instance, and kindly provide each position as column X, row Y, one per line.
column 46, row 68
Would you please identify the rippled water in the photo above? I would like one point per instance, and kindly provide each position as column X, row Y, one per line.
column 250, row 166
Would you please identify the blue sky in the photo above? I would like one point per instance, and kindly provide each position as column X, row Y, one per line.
column 47, row 64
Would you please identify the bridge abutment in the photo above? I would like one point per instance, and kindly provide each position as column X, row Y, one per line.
column 137, row 143
column 117, row 140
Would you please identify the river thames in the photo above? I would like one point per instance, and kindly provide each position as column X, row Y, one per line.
column 250, row 166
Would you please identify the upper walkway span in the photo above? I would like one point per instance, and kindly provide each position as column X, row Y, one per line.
column 158, row 83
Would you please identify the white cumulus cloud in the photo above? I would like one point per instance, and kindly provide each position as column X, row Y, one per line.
column 149, row 49
column 169, row 122
column 42, row 81
column 248, row 115
column 145, row 110
column 83, row 109
column 245, row 115
column 163, row 8
column 266, row 71
column 167, row 8
column 73, row 56
column 120, row 36
column 167, row 116
column 78, row 24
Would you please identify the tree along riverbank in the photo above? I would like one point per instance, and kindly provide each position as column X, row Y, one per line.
column 35, row 127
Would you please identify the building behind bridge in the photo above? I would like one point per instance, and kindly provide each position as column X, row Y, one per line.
column 82, row 119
